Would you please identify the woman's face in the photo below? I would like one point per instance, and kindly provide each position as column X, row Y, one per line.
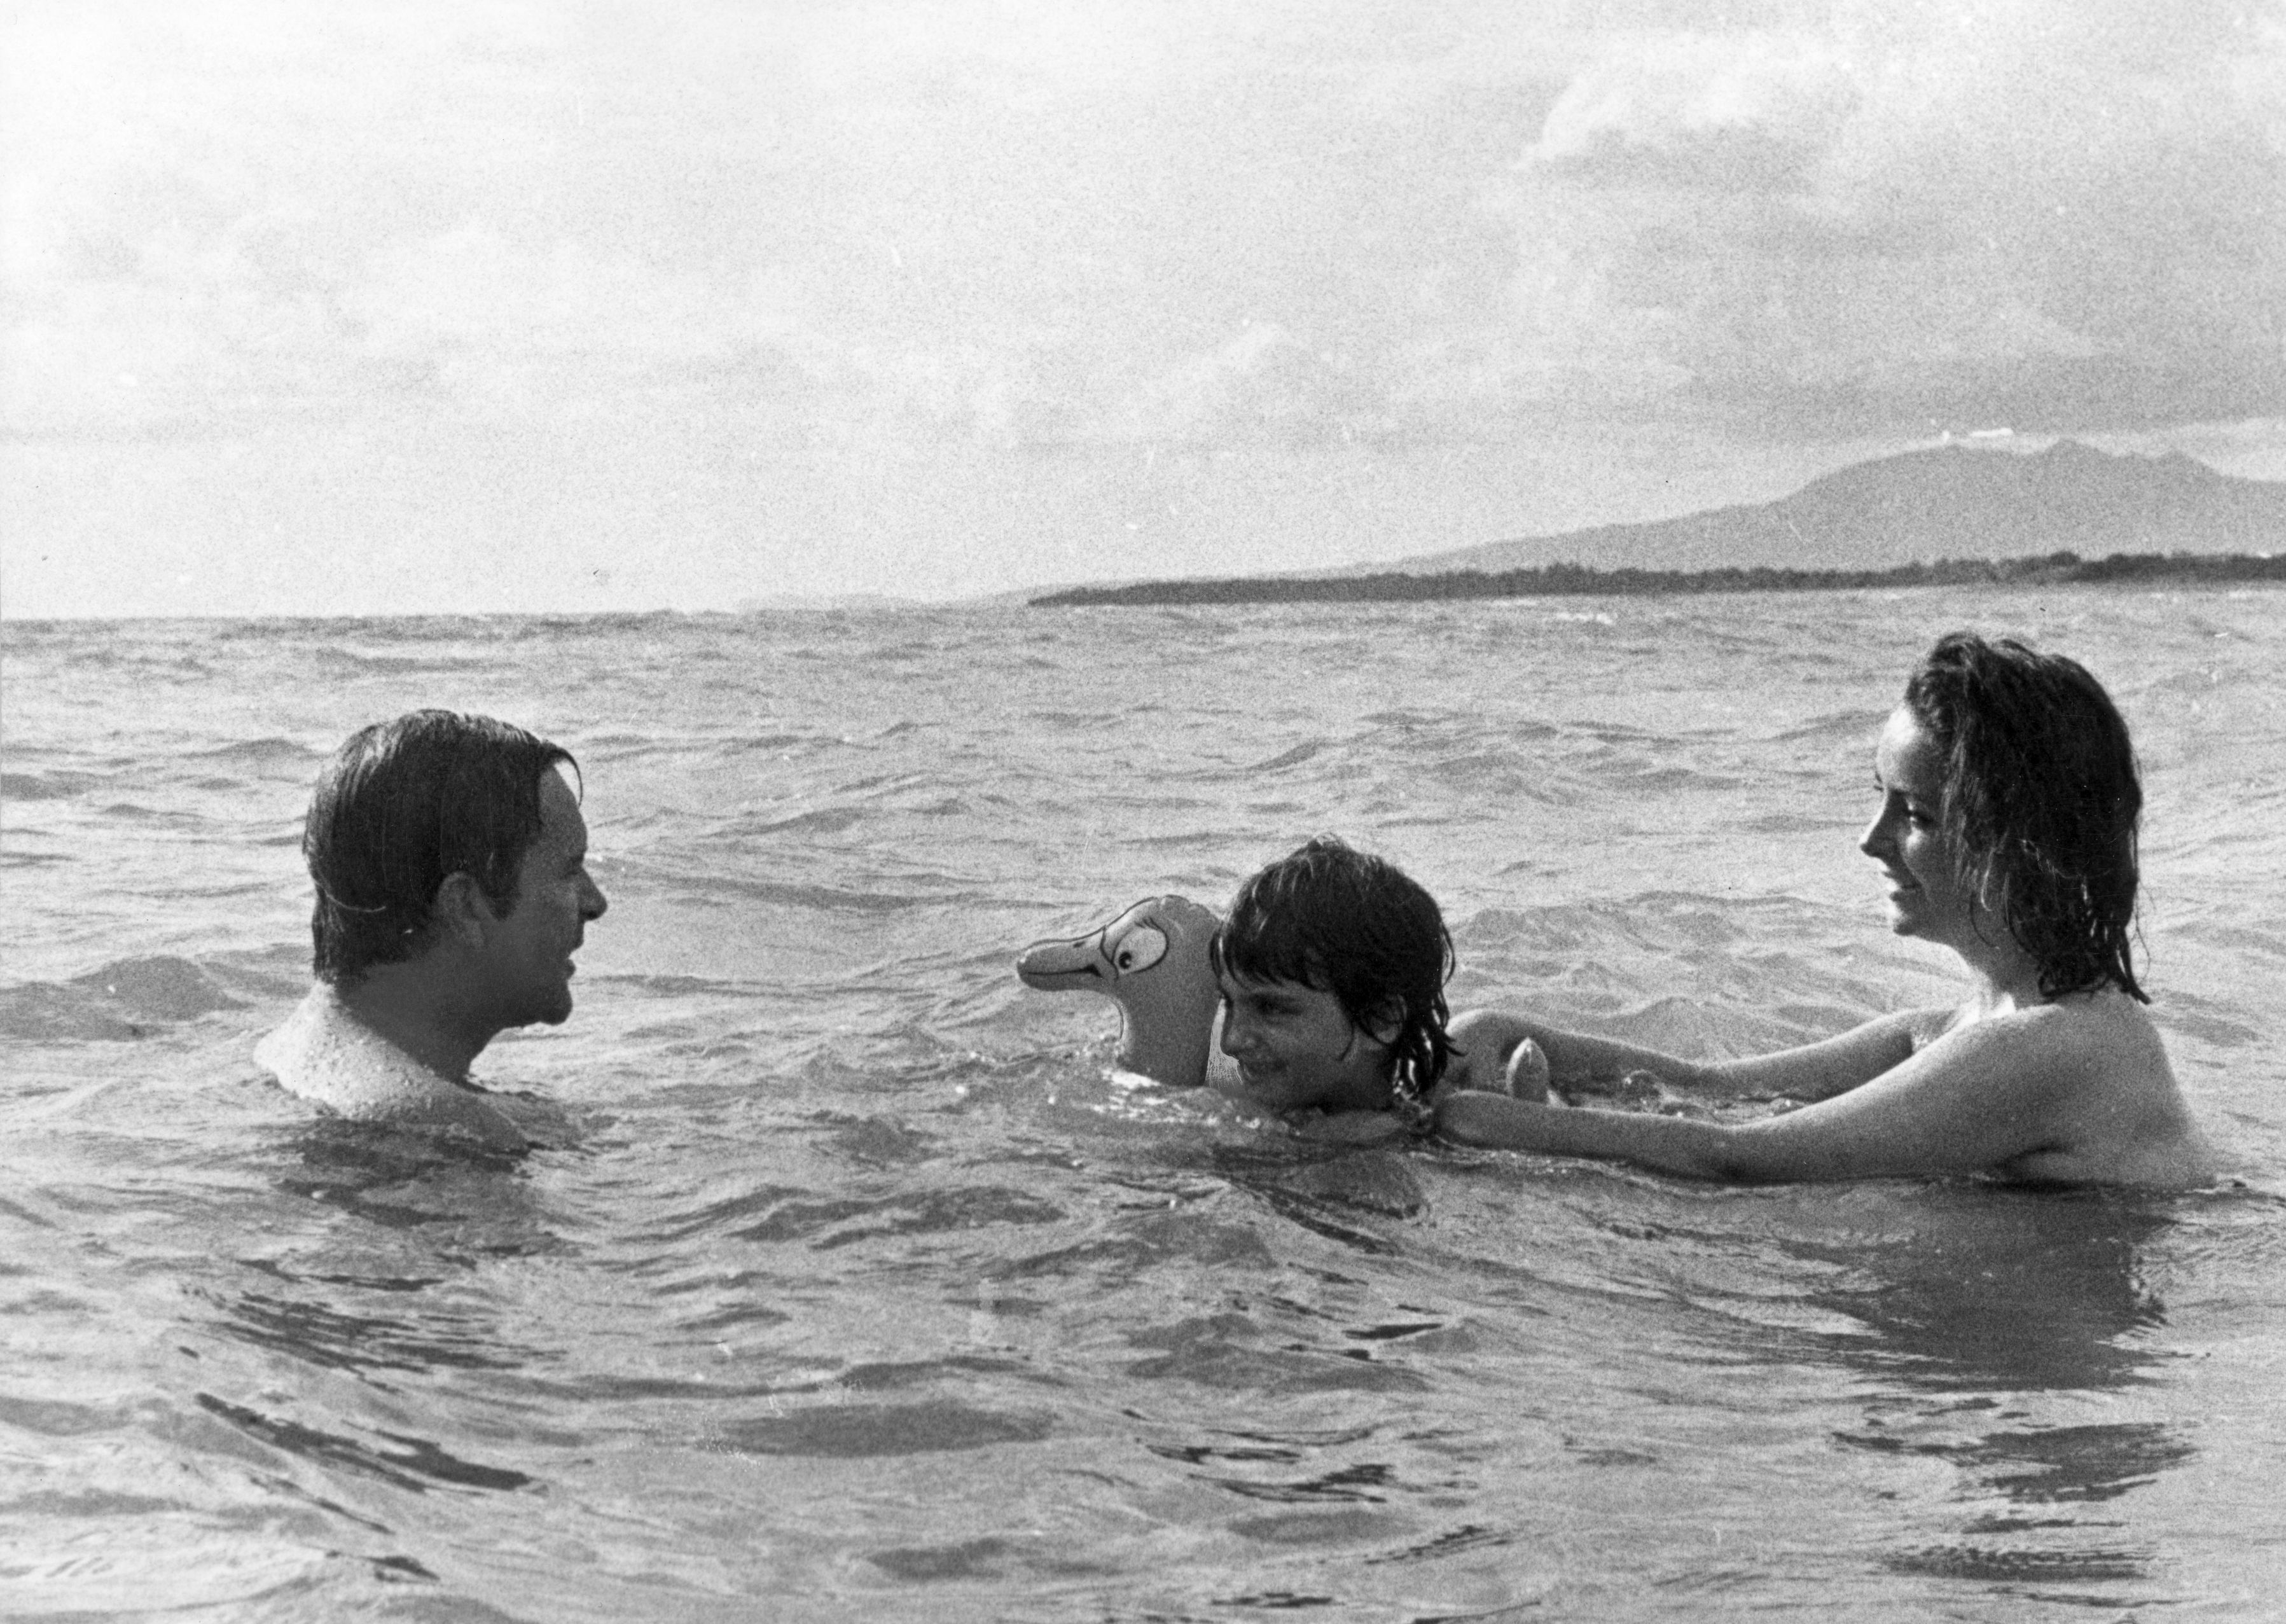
column 1926, row 897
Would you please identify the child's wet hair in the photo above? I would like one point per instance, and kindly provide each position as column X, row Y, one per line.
column 1354, row 925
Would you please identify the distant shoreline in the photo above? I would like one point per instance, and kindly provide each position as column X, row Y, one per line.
column 1582, row 581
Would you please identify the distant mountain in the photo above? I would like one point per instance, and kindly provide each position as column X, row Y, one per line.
column 1949, row 502
column 1949, row 515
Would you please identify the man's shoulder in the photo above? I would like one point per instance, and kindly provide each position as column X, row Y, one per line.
column 325, row 1054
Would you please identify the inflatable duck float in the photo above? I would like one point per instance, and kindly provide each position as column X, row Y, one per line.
column 1153, row 962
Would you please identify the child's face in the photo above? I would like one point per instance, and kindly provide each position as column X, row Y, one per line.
column 1296, row 1046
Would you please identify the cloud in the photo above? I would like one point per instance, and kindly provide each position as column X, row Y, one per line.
column 471, row 295
column 208, row 327
column 1262, row 385
column 1018, row 225
column 1043, row 391
column 1927, row 211
column 1692, row 111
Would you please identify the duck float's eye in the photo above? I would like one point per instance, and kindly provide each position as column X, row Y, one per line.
column 1138, row 949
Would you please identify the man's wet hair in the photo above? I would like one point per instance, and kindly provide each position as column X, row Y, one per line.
column 401, row 806
column 1351, row 924
column 2040, row 802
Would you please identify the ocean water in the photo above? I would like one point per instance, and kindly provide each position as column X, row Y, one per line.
column 865, row 1292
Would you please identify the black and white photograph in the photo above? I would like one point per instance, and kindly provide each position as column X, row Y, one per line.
column 1143, row 811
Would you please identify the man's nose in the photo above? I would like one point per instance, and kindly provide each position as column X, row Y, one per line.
column 591, row 906
column 1235, row 1033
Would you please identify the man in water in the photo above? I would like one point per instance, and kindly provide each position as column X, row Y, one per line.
column 450, row 862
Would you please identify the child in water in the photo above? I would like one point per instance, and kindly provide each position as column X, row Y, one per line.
column 1332, row 967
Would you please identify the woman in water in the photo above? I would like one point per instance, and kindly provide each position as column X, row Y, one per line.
column 2007, row 832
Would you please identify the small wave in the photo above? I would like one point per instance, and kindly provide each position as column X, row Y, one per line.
column 40, row 1011
column 2019, row 1566
column 1295, row 757
column 763, row 741
column 731, row 1208
column 1787, row 823
column 665, row 986
column 1836, row 727
column 1504, row 771
column 360, row 663
column 159, row 987
column 336, row 1339
column 2246, row 938
column 261, row 753
column 417, row 1464
column 836, row 1224
column 828, row 899
column 2194, row 1017
column 990, row 1557
column 881, row 1141
column 135, row 812
column 825, row 820
column 844, row 1432
column 45, row 786
column 1214, row 1352
column 56, row 1417
column 1647, row 778
column 121, row 1000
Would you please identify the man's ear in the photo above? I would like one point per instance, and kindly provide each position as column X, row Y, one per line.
column 1385, row 1020
column 462, row 911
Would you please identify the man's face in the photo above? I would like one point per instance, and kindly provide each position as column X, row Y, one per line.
column 1296, row 1046
column 529, row 952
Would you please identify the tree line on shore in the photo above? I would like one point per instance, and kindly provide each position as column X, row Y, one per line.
column 1584, row 580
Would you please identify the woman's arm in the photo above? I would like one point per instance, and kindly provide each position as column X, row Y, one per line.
column 1830, row 1066
column 1998, row 1090
column 1484, row 1040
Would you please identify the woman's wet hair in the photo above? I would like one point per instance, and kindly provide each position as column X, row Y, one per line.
column 1342, row 920
column 401, row 806
column 2041, row 802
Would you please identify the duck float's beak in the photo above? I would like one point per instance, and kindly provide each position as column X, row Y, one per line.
column 1064, row 966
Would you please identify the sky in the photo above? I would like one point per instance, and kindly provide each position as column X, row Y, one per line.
column 361, row 308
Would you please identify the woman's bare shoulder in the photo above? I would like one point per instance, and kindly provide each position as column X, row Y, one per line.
column 2104, row 1031
column 2104, row 1027
column 2121, row 1115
